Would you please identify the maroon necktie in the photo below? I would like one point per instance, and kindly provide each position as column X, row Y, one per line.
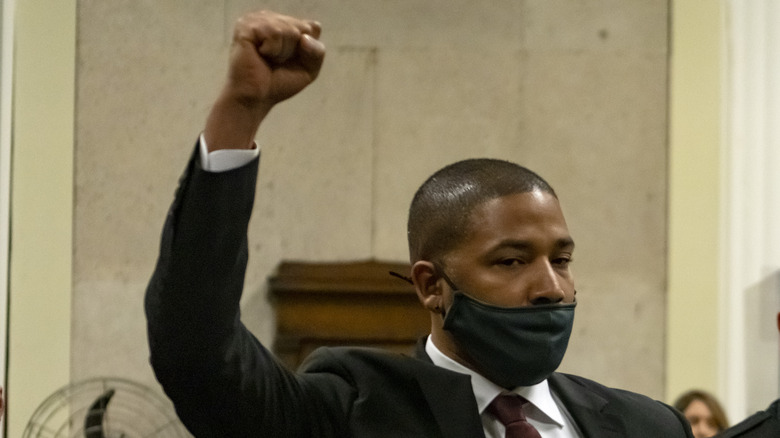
column 508, row 409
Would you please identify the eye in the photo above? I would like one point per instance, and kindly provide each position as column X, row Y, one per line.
column 510, row 261
column 562, row 261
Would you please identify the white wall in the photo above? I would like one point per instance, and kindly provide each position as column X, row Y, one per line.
column 751, row 260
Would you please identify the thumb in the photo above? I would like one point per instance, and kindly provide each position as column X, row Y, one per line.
column 312, row 53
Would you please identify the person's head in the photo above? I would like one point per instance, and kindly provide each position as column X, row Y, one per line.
column 703, row 411
column 494, row 231
column 440, row 213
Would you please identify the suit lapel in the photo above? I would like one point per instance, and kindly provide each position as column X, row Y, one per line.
column 590, row 411
column 450, row 398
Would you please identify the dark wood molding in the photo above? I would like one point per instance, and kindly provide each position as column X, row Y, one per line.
column 352, row 303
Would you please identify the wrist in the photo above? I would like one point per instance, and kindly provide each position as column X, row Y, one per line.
column 233, row 122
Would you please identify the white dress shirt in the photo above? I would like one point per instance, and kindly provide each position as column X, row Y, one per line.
column 544, row 411
column 224, row 159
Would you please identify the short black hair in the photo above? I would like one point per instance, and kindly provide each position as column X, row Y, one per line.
column 442, row 206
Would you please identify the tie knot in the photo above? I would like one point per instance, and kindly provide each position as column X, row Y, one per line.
column 508, row 409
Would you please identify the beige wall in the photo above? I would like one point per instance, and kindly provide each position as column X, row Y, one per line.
column 576, row 91
column 695, row 177
column 41, row 206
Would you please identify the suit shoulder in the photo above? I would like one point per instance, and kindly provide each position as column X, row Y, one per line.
column 761, row 424
column 610, row 394
column 349, row 360
column 637, row 411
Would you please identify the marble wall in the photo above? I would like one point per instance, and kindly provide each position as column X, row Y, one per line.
column 574, row 90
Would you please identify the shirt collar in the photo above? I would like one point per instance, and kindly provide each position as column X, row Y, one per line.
column 539, row 395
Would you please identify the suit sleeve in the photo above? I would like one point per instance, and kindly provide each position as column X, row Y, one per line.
column 681, row 418
column 222, row 381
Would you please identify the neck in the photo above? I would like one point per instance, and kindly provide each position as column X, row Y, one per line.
column 447, row 345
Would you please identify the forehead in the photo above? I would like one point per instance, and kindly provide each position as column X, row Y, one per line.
column 698, row 407
column 534, row 217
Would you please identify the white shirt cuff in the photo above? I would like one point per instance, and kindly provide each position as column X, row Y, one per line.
column 225, row 159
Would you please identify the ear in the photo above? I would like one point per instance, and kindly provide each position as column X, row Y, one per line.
column 778, row 321
column 425, row 278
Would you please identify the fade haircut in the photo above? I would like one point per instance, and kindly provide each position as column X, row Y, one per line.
column 441, row 209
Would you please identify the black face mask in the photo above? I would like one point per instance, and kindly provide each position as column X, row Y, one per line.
column 510, row 346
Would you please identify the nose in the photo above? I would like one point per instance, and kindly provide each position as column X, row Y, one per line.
column 547, row 285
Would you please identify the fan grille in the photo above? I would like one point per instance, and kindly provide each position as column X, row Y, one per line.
column 131, row 411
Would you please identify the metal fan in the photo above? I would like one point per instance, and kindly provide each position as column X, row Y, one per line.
column 105, row 408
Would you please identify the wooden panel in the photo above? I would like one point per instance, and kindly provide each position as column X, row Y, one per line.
column 356, row 303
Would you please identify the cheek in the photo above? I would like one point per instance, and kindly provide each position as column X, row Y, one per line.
column 446, row 300
column 569, row 289
column 710, row 428
column 703, row 426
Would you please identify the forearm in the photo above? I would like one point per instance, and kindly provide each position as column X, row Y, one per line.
column 222, row 381
column 233, row 122
column 193, row 297
column 197, row 343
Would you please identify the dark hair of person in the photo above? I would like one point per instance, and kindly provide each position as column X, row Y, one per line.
column 718, row 414
column 439, row 216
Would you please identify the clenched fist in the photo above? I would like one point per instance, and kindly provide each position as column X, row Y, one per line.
column 272, row 58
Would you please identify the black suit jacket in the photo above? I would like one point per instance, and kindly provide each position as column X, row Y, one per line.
column 764, row 424
column 224, row 383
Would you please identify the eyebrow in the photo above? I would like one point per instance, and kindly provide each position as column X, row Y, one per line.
column 564, row 242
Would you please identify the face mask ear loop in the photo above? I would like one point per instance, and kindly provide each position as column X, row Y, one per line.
column 450, row 283
column 402, row 277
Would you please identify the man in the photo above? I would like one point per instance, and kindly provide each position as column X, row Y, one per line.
column 490, row 251
column 764, row 424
